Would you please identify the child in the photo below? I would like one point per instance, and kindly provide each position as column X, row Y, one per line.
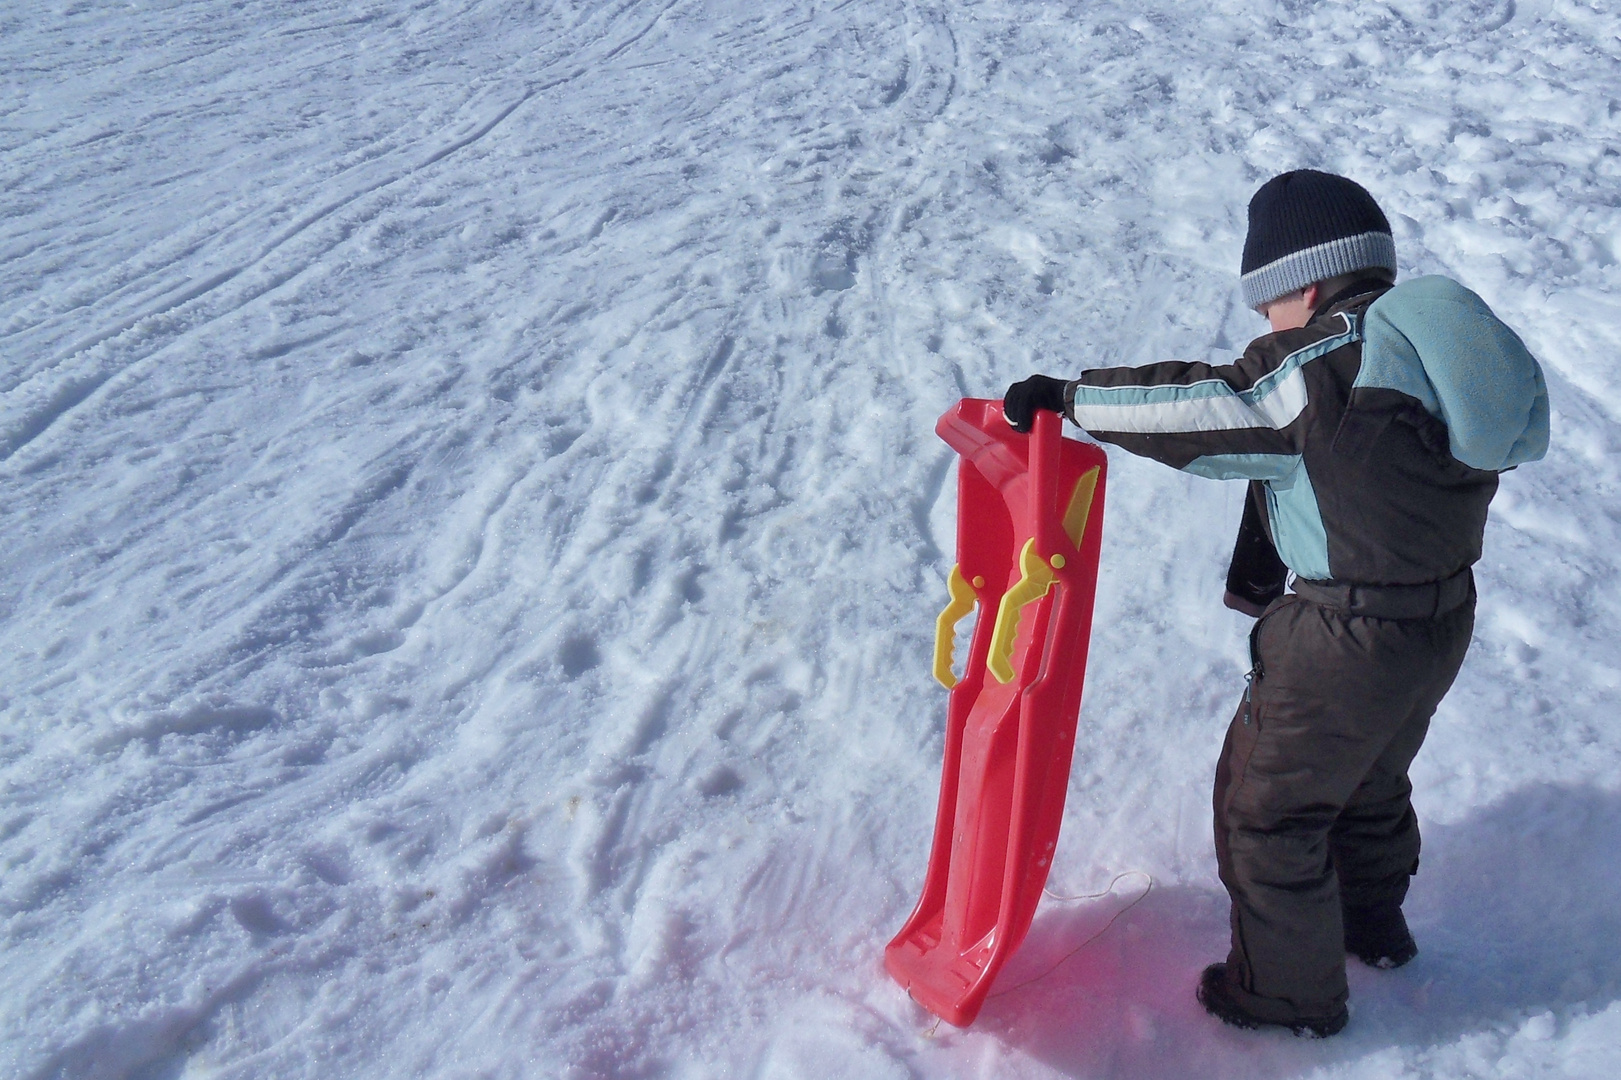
column 1372, row 423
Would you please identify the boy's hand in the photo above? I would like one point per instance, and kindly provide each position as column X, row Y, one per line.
column 1022, row 400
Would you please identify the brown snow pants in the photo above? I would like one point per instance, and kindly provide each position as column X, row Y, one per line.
column 1312, row 809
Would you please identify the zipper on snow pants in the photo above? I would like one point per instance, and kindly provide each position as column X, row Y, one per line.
column 1255, row 672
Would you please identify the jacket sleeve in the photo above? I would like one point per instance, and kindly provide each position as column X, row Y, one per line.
column 1242, row 420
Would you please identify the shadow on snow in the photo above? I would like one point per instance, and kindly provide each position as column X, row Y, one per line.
column 1516, row 910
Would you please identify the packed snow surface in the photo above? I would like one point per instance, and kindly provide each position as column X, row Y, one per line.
column 473, row 525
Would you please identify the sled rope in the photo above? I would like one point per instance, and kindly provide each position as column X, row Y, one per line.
column 1112, row 920
column 1109, row 889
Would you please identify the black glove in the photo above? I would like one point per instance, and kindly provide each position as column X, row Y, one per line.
column 1256, row 576
column 1022, row 400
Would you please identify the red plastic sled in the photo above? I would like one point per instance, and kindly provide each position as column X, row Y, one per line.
column 1029, row 527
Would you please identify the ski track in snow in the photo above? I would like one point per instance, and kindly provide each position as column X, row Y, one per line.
column 474, row 524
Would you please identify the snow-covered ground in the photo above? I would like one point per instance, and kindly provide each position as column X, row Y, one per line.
column 473, row 525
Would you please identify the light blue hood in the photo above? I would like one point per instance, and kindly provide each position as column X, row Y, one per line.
column 1434, row 340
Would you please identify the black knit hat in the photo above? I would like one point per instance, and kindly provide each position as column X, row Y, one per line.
column 1308, row 226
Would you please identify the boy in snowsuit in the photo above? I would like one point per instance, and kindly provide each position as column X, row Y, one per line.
column 1372, row 423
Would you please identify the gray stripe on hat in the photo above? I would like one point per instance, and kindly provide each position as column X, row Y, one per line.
column 1298, row 269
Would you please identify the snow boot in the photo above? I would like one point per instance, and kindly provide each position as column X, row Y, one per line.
column 1379, row 937
column 1219, row 1001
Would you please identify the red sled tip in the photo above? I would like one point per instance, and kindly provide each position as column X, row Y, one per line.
column 951, row 985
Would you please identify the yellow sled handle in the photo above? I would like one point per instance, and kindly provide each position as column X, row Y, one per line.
column 1035, row 580
column 945, row 627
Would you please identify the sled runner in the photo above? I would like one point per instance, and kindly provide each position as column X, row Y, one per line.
column 1029, row 527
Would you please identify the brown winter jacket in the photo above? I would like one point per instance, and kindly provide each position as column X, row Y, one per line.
column 1377, row 430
